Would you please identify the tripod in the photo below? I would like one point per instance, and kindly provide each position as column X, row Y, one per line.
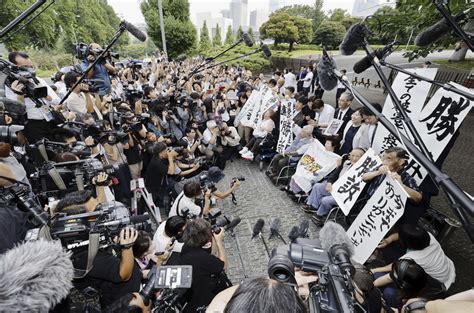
column 137, row 187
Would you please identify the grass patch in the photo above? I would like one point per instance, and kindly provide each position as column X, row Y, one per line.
column 44, row 73
column 467, row 64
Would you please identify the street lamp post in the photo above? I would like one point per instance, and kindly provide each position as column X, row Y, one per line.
column 162, row 27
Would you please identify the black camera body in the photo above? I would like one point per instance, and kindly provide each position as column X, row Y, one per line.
column 207, row 184
column 25, row 76
column 332, row 293
column 217, row 220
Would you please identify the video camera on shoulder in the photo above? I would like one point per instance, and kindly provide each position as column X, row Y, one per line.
column 26, row 76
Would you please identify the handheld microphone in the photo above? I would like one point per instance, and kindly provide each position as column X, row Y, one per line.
column 303, row 229
column 326, row 66
column 247, row 39
column 36, row 276
column 437, row 30
column 257, row 228
column 353, row 39
column 266, row 51
column 293, row 235
column 134, row 31
column 275, row 225
column 232, row 224
column 366, row 62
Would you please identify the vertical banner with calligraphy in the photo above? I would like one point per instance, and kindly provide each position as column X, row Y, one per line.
column 412, row 94
column 267, row 101
column 315, row 164
column 245, row 114
column 287, row 111
column 380, row 213
column 347, row 189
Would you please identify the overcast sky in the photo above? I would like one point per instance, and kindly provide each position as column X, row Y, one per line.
column 130, row 9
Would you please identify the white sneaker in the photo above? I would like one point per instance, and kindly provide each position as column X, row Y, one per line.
column 248, row 156
column 244, row 150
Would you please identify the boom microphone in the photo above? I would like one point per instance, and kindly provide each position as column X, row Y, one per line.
column 327, row 78
column 293, row 235
column 275, row 225
column 436, row 31
column 380, row 53
column 266, row 51
column 36, row 276
column 303, row 229
column 333, row 234
column 257, row 228
column 353, row 39
column 12, row 107
column 232, row 224
column 247, row 39
column 134, row 31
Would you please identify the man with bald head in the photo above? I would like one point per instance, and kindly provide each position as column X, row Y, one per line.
column 100, row 71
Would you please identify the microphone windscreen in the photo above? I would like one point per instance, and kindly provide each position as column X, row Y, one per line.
column 432, row 33
column 135, row 31
column 13, row 107
column 353, row 39
column 275, row 225
column 303, row 229
column 362, row 65
column 266, row 51
column 327, row 78
column 257, row 228
column 334, row 234
column 36, row 276
column 233, row 223
column 294, row 232
column 247, row 39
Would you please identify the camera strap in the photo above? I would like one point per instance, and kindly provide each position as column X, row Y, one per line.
column 234, row 199
column 91, row 254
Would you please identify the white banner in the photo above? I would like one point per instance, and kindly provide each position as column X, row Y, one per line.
column 378, row 216
column 246, row 112
column 285, row 138
column 347, row 189
column 267, row 101
column 412, row 94
column 315, row 164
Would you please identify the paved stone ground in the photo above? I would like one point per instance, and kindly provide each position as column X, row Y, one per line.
column 259, row 198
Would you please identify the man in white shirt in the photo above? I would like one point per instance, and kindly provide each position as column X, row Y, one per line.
column 367, row 131
column 79, row 101
column 307, row 81
column 40, row 118
column 184, row 204
column 290, row 79
column 325, row 113
column 168, row 230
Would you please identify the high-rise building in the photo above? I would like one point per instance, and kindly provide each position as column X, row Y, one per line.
column 257, row 18
column 211, row 23
column 225, row 13
column 239, row 14
column 276, row 4
column 364, row 8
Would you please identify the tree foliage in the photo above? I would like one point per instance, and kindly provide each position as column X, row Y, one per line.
column 329, row 34
column 204, row 41
column 180, row 33
column 239, row 34
column 217, row 40
column 251, row 34
column 315, row 13
column 282, row 27
column 229, row 36
column 65, row 22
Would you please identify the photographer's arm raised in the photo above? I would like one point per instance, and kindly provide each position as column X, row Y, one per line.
column 222, row 195
column 127, row 238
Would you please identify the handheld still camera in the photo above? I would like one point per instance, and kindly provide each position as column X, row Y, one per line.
column 332, row 293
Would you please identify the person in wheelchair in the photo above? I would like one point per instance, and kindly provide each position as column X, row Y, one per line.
column 265, row 127
column 320, row 201
column 298, row 147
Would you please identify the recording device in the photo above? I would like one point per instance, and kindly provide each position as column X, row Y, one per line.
column 93, row 84
column 9, row 133
column 257, row 228
column 237, row 178
column 379, row 54
column 326, row 66
column 26, row 76
column 247, row 39
column 207, row 184
column 353, row 39
column 294, row 234
column 133, row 30
column 303, row 229
column 329, row 258
column 229, row 225
column 438, row 30
column 275, row 226
column 218, row 220
column 20, row 194
column 13, row 108
column 36, row 276
column 266, row 51
column 108, row 219
column 82, row 51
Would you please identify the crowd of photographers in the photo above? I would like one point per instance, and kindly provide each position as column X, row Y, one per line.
column 155, row 119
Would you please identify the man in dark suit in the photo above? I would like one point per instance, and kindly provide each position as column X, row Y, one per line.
column 298, row 117
column 344, row 111
column 299, row 78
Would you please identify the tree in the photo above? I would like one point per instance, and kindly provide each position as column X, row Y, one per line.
column 239, row 34
column 204, row 41
column 329, row 34
column 282, row 27
column 179, row 31
column 229, row 36
column 337, row 15
column 318, row 13
column 315, row 13
column 250, row 33
column 217, row 40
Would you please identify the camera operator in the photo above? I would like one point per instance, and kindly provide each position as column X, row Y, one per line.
column 208, row 270
column 230, row 140
column 192, row 141
column 40, row 120
column 185, row 205
column 133, row 149
column 161, row 165
column 170, row 231
column 169, row 122
column 80, row 101
column 100, row 71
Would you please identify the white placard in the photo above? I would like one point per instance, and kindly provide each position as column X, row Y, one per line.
column 315, row 164
column 378, row 216
column 347, row 189
column 285, row 138
column 246, row 112
column 333, row 127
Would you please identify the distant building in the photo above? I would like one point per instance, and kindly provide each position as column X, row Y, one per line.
column 225, row 13
column 364, row 8
column 276, row 4
column 239, row 14
column 211, row 23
